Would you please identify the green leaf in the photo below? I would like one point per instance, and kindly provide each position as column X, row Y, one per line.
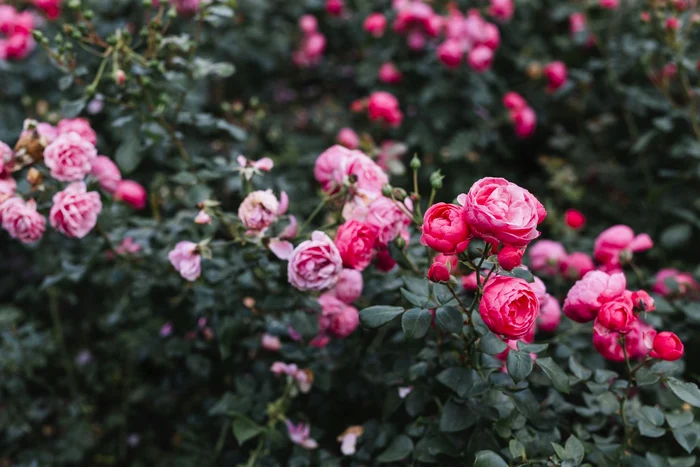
column 653, row 415
column 465, row 382
column 456, row 417
column 489, row 459
column 516, row 448
column 526, row 404
column 677, row 420
column 687, row 437
column 580, row 371
column 531, row 348
column 449, row 319
column 492, row 344
column 416, row 322
column 676, row 236
column 417, row 300
column 235, row 132
column 649, row 430
column 522, row 273
column 400, row 448
column 687, row 392
column 128, row 155
column 519, row 365
column 574, row 449
column 379, row 315
column 645, row 377
column 245, row 429
column 72, row 109
column 560, row 380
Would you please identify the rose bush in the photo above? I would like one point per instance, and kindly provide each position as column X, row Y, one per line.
column 349, row 232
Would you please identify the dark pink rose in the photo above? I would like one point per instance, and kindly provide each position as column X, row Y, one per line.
column 509, row 307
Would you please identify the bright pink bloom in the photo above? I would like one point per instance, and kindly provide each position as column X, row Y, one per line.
column 667, row 346
column 106, row 172
column 21, row 220
column 438, row 272
column 389, row 74
column 525, row 121
column 509, row 307
column 70, row 157
column 315, row 264
column 445, row 229
column 480, row 58
column 348, row 138
column 577, row 23
column 308, row 24
column 615, row 245
column 355, row 242
column 8, row 187
column 608, row 345
column 510, row 257
column 550, row 314
column 384, row 262
column 349, row 286
column 590, row 293
column 259, row 210
column 514, row 101
column 132, row 193
column 546, row 256
column 450, row 53
column 502, row 10
column 335, row 165
column 671, row 281
column 616, row 315
column 672, row 23
column 642, row 301
column 556, row 74
column 388, row 219
column 186, row 260
column 469, row 282
column 75, row 210
column 416, row 40
column 499, row 211
column 52, row 8
column 375, row 24
column 609, row 4
column 335, row 7
column 80, row 126
column 576, row 265
column 384, row 106
column 574, row 219
column 186, row 7
column 337, row 318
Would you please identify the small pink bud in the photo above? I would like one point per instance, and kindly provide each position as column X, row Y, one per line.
column 132, row 193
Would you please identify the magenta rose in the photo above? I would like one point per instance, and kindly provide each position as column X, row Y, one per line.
column 132, row 193
column 616, row 315
column 349, row 286
column 670, row 281
column 375, row 24
column 509, row 307
column 186, row 260
column 70, row 157
column 106, row 172
column 550, row 314
column 445, row 229
column 259, row 210
column 546, row 256
column 384, row 106
column 590, row 293
column 388, row 219
column 355, row 242
column 21, row 220
column 315, row 264
column 502, row 10
column 337, row 318
column 499, row 211
column 80, row 126
column 510, row 257
column 348, row 138
column 75, row 210
column 616, row 245
column 667, row 346
column 556, row 74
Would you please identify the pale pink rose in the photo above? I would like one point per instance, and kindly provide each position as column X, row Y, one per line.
column 349, row 286
column 259, row 210
column 337, row 318
column 576, row 265
column 301, row 435
column 186, row 260
column 550, row 314
column 329, row 169
column 370, row 177
column 47, row 132
column 388, row 219
column 281, row 248
column 348, row 138
column 308, row 24
column 270, row 342
column 546, row 256
column 588, row 294
column 75, row 210
column 127, row 247
column 70, row 157
column 499, row 211
column 539, row 288
column 202, row 218
column 8, row 186
column 80, row 126
column 21, row 220
column 666, row 278
column 6, row 155
column 315, row 264
column 106, row 172
column 615, row 245
column 335, row 165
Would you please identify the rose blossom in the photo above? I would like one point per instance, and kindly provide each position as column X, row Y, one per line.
column 186, row 260
column 335, row 7
column 616, row 245
column 509, row 307
column 80, row 126
column 348, row 138
column 106, row 172
column 616, row 315
column 259, row 210
column 69, row 157
column 510, row 257
column 502, row 10
column 202, row 218
column 375, row 24
column 337, row 318
column 514, row 101
column 52, row 8
column 609, row 4
column 642, row 301
column 384, row 261
column 550, row 314
column 588, row 294
column 438, row 272
column 132, row 193
column 576, row 265
column 337, row 164
column 556, row 75
column 480, row 58
column 546, row 256
column 574, row 219
column 270, row 342
column 450, row 53
column 525, row 122
column 301, row 435
column 8, row 186
column 308, row 24
column 355, row 241
column 667, row 346
column 445, row 229
column 21, row 220
column 670, row 281
column 388, row 219
column 315, row 264
column 186, row 7
column 75, row 210
column 469, row 282
column 389, row 74
column 499, row 211
column 384, row 106
column 349, row 286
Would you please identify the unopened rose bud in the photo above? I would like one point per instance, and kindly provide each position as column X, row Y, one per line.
column 438, row 272
column 436, row 180
column 400, row 243
column 386, row 190
column 34, row 177
column 415, row 163
column 399, row 194
column 120, row 77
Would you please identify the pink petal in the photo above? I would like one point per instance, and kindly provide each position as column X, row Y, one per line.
column 284, row 203
column 265, row 164
column 641, row 242
column 242, row 161
column 281, row 248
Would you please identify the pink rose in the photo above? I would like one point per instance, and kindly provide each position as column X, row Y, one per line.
column 384, row 261
column 499, row 211
column 546, row 256
column 525, row 121
column 349, row 286
column 385, row 107
column 259, row 210
column 502, row 10
column 469, row 282
column 574, row 219
column 510, row 257
column 202, row 218
column 8, row 186
column 21, row 220
column 52, row 8
column 389, row 74
column 576, row 265
column 615, row 245
column 308, row 24
column 577, row 23
column 608, row 343
column 671, row 281
column 438, row 272
column 70, row 157
column 556, row 75
column 355, row 242
column 106, row 172
column 186, row 260
column 335, row 7
column 609, row 4
column 450, row 53
column 514, row 101
column 6, row 156
column 667, row 346
column 330, row 168
column 375, row 24
column 337, row 318
column 19, row 45
column 608, row 346
column 132, row 193
column 270, row 342
column 509, row 307
column 75, row 210
column 550, row 314
column 616, row 315
column 642, row 301
column 186, row 7
column 80, row 126
column 388, row 219
column 445, row 229
column 348, row 138
column 337, row 164
column 315, row 264
column 588, row 294
column 480, row 58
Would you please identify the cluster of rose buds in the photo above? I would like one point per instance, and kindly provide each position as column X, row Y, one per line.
column 417, row 21
column 312, row 45
column 16, row 41
column 471, row 36
column 521, row 114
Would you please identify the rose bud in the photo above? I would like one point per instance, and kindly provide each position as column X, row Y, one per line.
column 132, row 193
column 439, row 272
column 667, row 346
column 445, row 229
column 616, row 316
column 510, row 257
column 642, row 301
column 450, row 53
column 375, row 24
column 574, row 219
column 556, row 75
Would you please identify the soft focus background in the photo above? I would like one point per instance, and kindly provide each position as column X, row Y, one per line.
column 151, row 370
